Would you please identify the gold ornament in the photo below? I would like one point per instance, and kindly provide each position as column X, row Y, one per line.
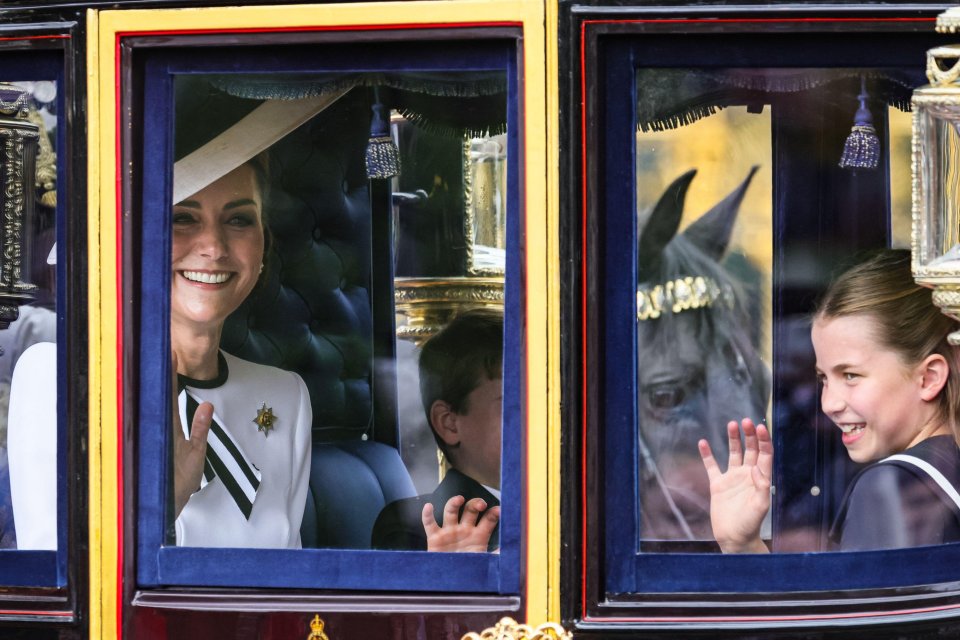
column 316, row 629
column 510, row 629
column 682, row 294
column 265, row 419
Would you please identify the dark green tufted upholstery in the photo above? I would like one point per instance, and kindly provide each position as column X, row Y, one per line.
column 311, row 312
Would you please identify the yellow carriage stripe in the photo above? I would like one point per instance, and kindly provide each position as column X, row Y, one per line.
column 540, row 194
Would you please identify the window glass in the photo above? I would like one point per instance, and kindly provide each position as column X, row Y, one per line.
column 685, row 390
column 735, row 170
column 28, row 351
column 341, row 250
column 259, row 447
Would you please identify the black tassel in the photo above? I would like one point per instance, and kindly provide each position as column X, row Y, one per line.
column 383, row 156
column 862, row 148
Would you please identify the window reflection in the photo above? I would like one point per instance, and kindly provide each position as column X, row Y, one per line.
column 28, row 353
column 317, row 309
column 451, row 307
column 901, row 197
column 698, row 365
column 485, row 182
column 792, row 123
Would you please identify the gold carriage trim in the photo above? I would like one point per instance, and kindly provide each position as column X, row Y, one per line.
column 682, row 294
column 316, row 629
column 510, row 629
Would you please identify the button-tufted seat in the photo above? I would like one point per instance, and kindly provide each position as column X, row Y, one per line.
column 311, row 313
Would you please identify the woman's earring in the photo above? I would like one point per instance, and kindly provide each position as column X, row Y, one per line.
column 261, row 267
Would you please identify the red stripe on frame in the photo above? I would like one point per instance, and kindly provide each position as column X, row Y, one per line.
column 584, row 327
column 118, row 194
column 583, row 314
column 62, row 36
column 792, row 618
column 315, row 28
column 749, row 21
column 119, row 239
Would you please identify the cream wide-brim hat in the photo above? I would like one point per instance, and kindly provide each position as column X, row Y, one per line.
column 255, row 131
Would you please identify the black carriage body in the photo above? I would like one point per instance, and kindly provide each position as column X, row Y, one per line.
column 610, row 56
column 606, row 588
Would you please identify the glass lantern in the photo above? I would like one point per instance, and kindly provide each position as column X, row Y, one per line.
column 936, row 175
column 19, row 140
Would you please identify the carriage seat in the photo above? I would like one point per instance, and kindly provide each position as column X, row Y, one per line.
column 312, row 314
column 350, row 482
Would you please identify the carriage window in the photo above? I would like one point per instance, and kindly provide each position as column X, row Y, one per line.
column 28, row 361
column 707, row 283
column 32, row 446
column 448, row 214
column 342, row 244
column 749, row 190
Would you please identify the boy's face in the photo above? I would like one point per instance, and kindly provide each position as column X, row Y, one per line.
column 479, row 431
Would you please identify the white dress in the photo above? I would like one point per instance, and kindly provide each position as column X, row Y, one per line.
column 35, row 324
column 32, row 447
column 281, row 458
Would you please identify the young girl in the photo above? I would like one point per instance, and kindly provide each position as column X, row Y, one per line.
column 891, row 384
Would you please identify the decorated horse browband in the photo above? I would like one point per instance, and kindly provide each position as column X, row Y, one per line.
column 682, row 294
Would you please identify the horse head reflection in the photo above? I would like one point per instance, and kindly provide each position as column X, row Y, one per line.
column 698, row 367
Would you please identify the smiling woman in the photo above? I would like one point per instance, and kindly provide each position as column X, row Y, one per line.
column 218, row 240
column 240, row 470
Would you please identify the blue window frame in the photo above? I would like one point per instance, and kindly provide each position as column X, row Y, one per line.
column 625, row 569
column 162, row 565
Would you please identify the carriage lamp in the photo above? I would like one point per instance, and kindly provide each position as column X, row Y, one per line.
column 19, row 139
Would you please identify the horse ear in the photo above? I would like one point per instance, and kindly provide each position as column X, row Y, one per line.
column 661, row 226
column 711, row 232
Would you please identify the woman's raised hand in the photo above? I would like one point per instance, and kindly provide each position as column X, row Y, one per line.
column 188, row 454
column 740, row 497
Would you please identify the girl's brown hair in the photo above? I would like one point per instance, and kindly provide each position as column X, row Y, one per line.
column 907, row 321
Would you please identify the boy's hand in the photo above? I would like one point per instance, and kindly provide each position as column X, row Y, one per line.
column 460, row 534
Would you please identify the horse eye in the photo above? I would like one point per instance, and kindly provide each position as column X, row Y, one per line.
column 738, row 367
column 666, row 398
column 741, row 376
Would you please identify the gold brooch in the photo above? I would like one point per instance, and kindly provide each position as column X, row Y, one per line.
column 265, row 419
